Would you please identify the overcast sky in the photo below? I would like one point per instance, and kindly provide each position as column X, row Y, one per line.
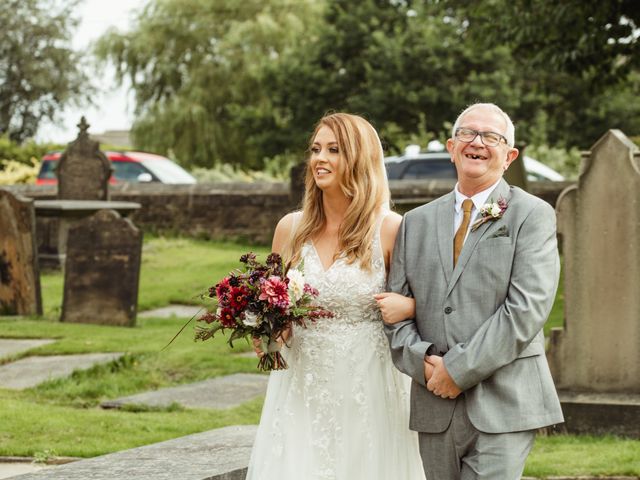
column 113, row 110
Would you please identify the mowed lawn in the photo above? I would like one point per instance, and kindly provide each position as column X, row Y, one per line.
column 62, row 417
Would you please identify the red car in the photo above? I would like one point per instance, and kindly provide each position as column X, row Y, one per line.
column 133, row 167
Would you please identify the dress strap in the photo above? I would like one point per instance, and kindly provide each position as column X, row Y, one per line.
column 297, row 216
column 377, row 252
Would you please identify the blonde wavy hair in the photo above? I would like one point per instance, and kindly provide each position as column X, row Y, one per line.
column 363, row 181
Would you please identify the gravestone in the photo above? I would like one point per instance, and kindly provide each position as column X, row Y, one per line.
column 83, row 170
column 598, row 350
column 19, row 274
column 102, row 270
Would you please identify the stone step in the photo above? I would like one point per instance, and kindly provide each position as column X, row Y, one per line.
column 29, row 372
column 217, row 393
column 180, row 311
column 221, row 454
column 12, row 346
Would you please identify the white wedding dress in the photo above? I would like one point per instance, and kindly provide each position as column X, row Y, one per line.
column 341, row 409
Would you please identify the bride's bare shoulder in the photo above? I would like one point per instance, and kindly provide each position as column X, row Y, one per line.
column 283, row 231
column 390, row 225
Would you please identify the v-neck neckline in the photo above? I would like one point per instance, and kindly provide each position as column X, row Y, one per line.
column 315, row 250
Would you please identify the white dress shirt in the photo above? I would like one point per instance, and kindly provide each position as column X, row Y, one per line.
column 479, row 199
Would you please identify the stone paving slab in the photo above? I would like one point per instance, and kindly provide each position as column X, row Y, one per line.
column 29, row 372
column 221, row 454
column 219, row 393
column 180, row 311
column 11, row 346
column 10, row 470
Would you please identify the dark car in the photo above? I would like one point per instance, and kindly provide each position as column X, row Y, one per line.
column 437, row 165
column 422, row 165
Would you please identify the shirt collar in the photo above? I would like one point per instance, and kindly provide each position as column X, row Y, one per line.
column 479, row 199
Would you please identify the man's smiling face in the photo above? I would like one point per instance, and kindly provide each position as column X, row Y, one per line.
column 478, row 165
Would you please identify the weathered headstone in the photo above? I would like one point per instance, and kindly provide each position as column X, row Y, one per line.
column 19, row 273
column 83, row 170
column 598, row 350
column 102, row 270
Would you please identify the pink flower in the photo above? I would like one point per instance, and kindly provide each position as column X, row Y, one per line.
column 275, row 291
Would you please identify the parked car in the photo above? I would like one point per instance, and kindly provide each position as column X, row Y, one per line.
column 437, row 165
column 132, row 167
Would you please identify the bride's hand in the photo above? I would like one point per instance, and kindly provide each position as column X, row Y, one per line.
column 257, row 341
column 257, row 346
column 395, row 307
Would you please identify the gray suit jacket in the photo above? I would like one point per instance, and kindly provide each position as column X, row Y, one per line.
column 487, row 313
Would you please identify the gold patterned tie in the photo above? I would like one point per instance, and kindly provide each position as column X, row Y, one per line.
column 458, row 240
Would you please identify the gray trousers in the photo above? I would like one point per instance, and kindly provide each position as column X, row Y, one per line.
column 463, row 453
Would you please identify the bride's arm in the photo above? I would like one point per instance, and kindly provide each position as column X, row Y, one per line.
column 281, row 235
column 393, row 306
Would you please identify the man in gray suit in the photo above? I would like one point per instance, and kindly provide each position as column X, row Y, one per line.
column 482, row 265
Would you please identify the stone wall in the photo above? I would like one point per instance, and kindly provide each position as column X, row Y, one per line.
column 241, row 210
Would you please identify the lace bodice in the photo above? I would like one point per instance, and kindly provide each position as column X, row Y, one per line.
column 347, row 289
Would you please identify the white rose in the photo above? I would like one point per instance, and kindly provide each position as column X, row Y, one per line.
column 495, row 210
column 296, row 284
column 250, row 319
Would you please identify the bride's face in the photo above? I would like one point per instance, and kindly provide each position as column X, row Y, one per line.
column 325, row 160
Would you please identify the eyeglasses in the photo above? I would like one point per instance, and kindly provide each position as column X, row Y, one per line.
column 490, row 139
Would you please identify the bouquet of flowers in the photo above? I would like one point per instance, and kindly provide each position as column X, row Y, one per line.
column 261, row 301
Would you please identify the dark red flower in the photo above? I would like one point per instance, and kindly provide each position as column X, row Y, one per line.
column 238, row 297
column 226, row 318
column 222, row 289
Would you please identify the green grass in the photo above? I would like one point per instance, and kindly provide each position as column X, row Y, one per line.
column 62, row 417
column 556, row 317
column 583, row 455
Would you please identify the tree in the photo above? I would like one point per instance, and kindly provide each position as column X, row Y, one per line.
column 197, row 69
column 575, row 62
column 39, row 72
column 404, row 65
column 588, row 38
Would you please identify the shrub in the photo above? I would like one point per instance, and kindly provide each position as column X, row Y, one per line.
column 12, row 171
column 276, row 169
column 566, row 162
column 23, row 153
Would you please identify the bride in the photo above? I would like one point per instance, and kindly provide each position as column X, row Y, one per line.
column 341, row 409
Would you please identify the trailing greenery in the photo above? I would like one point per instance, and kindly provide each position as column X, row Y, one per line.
column 62, row 417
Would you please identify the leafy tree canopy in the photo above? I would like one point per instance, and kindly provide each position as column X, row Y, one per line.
column 238, row 81
column 39, row 72
column 197, row 69
column 581, row 38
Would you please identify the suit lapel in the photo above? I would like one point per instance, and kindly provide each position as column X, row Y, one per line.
column 471, row 242
column 444, row 230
